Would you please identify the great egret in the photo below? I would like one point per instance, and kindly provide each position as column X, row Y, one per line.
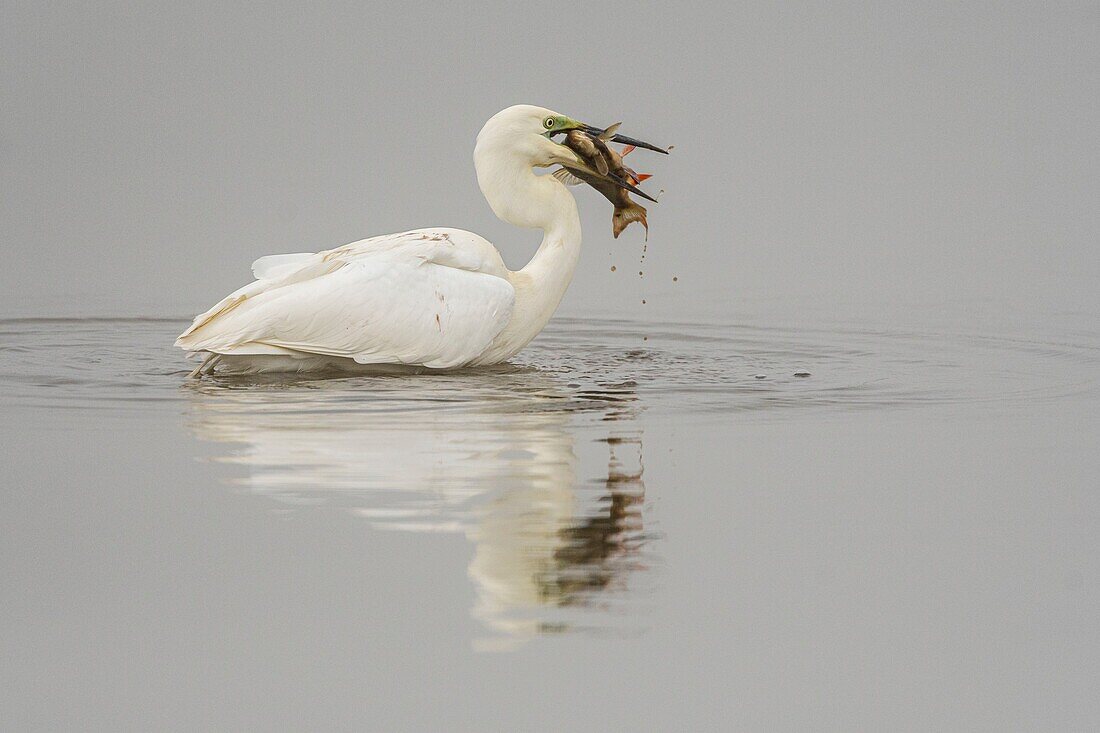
column 438, row 298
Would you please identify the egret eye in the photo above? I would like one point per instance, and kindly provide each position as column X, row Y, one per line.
column 549, row 122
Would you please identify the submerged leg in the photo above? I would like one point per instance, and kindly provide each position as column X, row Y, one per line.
column 201, row 369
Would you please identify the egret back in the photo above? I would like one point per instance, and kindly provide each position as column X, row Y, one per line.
column 434, row 297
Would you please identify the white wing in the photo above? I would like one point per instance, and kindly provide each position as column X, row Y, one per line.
column 436, row 297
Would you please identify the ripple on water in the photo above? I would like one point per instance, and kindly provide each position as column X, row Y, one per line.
column 538, row 464
column 680, row 368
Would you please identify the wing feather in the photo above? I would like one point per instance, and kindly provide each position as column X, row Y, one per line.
column 428, row 297
column 274, row 266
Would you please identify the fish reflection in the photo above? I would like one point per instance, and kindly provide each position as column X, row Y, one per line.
column 544, row 479
column 537, row 551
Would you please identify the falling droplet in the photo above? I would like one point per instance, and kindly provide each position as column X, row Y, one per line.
column 613, row 268
column 640, row 273
column 643, row 301
column 675, row 279
column 645, row 338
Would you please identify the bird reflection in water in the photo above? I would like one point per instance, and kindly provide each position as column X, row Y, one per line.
column 585, row 562
column 543, row 564
column 544, row 479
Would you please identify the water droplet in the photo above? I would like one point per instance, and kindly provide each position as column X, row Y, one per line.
column 675, row 279
column 640, row 273
column 643, row 301
column 613, row 268
column 802, row 374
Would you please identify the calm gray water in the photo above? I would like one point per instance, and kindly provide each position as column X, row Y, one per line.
column 634, row 525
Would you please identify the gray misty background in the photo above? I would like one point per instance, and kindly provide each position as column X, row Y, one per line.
column 829, row 154
column 900, row 200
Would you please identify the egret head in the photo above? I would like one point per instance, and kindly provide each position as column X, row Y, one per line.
column 529, row 131
column 521, row 138
column 523, row 132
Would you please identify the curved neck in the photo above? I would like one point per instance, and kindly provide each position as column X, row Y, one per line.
column 520, row 197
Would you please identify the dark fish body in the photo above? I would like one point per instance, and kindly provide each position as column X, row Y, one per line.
column 606, row 162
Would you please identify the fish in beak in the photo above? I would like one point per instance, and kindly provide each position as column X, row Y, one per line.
column 622, row 139
column 601, row 166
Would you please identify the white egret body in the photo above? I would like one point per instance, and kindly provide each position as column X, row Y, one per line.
column 439, row 298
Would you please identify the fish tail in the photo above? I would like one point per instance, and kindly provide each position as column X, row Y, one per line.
column 626, row 215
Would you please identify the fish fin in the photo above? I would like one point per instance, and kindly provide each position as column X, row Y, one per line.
column 610, row 131
column 644, row 176
column 563, row 175
column 601, row 164
column 627, row 151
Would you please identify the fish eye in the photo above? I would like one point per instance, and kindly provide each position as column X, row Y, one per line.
column 549, row 122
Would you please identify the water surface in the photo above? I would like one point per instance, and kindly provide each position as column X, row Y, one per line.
column 673, row 524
